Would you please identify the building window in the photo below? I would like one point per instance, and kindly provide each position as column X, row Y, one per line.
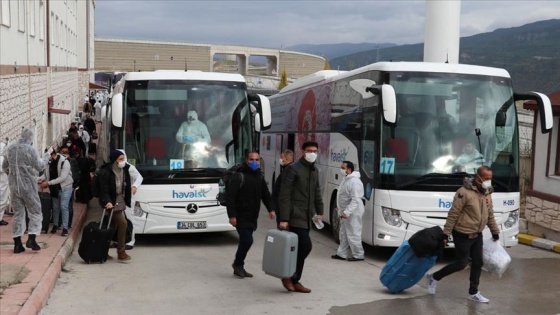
column 5, row 13
column 33, row 17
column 42, row 20
column 21, row 16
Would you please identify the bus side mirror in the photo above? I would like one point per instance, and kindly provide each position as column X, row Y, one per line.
column 388, row 99
column 262, row 104
column 258, row 122
column 545, row 108
column 117, row 110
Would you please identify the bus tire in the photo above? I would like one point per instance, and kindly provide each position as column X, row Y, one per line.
column 335, row 220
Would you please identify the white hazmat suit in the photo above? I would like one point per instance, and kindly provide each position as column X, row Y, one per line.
column 191, row 133
column 136, row 180
column 349, row 202
column 4, row 191
column 22, row 163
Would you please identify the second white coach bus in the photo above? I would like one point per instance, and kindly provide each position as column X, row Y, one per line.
column 406, row 126
column 182, row 130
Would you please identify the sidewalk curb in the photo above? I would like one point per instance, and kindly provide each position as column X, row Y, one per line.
column 539, row 242
column 40, row 295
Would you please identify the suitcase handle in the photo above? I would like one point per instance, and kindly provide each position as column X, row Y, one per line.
column 103, row 215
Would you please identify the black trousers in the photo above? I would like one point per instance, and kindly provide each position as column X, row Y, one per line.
column 465, row 248
column 304, row 248
column 245, row 243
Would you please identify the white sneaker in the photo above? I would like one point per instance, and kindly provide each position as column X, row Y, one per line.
column 478, row 298
column 432, row 283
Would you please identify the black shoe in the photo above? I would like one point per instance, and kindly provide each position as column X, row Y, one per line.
column 128, row 247
column 355, row 259
column 64, row 232
column 54, row 229
column 248, row 275
column 18, row 246
column 31, row 243
column 337, row 257
column 3, row 222
column 238, row 271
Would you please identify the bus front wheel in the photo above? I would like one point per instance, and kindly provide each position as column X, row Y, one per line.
column 335, row 221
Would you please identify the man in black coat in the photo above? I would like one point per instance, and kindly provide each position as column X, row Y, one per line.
column 244, row 193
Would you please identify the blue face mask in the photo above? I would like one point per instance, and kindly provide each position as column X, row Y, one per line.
column 254, row 165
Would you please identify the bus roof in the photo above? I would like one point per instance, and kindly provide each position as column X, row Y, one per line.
column 334, row 75
column 183, row 75
column 434, row 67
column 318, row 76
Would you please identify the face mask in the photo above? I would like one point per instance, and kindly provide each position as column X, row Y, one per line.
column 121, row 164
column 343, row 172
column 310, row 157
column 254, row 165
column 486, row 184
column 282, row 162
column 68, row 144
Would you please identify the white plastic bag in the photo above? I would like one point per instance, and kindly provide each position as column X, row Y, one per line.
column 495, row 258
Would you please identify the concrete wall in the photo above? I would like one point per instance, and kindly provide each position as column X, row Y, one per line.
column 129, row 55
column 123, row 55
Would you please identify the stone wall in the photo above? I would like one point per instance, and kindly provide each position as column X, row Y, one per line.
column 23, row 103
column 543, row 218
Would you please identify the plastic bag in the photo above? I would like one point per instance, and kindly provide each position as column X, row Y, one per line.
column 495, row 258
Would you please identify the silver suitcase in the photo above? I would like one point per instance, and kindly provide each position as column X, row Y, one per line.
column 280, row 253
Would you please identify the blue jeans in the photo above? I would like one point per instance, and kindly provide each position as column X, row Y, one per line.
column 60, row 205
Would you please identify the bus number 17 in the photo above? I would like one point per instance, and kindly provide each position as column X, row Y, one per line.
column 387, row 165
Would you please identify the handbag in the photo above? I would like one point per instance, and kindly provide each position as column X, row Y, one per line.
column 120, row 204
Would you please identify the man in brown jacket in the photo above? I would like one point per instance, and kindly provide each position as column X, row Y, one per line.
column 472, row 210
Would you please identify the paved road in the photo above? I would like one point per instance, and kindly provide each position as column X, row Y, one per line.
column 191, row 274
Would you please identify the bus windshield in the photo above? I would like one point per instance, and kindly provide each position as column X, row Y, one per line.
column 448, row 125
column 176, row 125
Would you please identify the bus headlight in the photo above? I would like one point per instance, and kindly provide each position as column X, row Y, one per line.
column 512, row 219
column 392, row 216
column 138, row 210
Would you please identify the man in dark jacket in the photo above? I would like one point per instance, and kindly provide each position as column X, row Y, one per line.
column 286, row 158
column 245, row 191
column 299, row 200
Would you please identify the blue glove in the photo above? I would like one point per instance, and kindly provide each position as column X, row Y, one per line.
column 188, row 139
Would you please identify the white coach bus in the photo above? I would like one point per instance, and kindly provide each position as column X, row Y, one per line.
column 406, row 126
column 182, row 155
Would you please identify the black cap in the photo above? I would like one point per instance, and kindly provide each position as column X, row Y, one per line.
column 309, row 144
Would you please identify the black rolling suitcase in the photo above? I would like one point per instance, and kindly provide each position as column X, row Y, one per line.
column 94, row 246
column 46, row 209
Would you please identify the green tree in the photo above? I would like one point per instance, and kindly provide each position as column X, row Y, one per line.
column 327, row 65
column 283, row 79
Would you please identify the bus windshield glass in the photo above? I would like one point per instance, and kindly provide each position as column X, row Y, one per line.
column 448, row 125
column 175, row 125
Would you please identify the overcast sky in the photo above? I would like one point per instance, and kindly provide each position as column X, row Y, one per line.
column 275, row 24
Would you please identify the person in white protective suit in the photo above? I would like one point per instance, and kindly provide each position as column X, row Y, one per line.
column 4, row 191
column 350, row 211
column 192, row 133
column 97, row 107
column 22, row 163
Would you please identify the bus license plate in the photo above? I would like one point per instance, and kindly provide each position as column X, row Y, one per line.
column 191, row 225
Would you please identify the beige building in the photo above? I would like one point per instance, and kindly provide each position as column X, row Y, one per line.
column 138, row 55
column 46, row 53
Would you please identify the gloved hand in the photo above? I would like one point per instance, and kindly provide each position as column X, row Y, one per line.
column 188, row 139
column 496, row 237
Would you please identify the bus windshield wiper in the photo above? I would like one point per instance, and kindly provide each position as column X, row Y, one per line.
column 501, row 184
